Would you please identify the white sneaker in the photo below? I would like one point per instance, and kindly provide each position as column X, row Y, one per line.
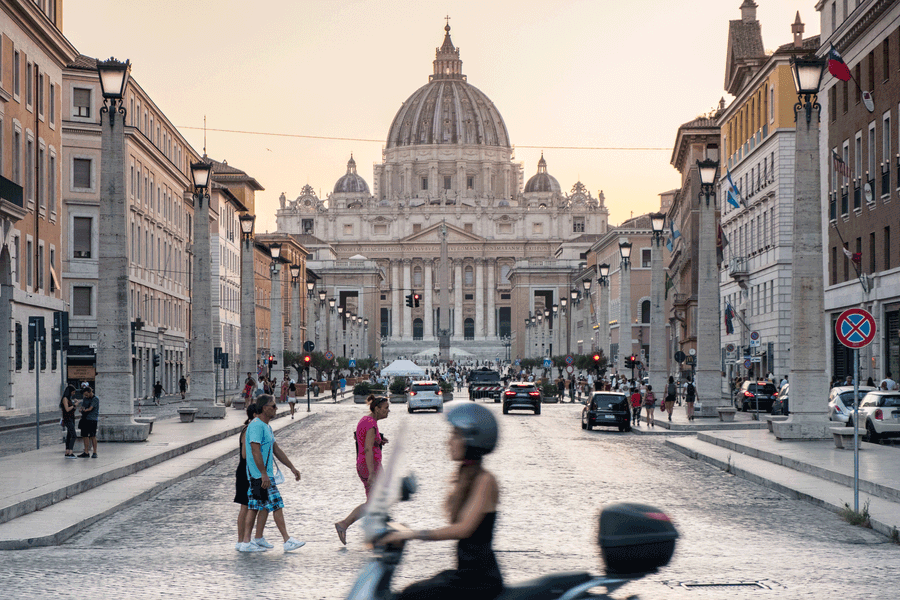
column 292, row 544
column 238, row 546
column 251, row 547
column 262, row 543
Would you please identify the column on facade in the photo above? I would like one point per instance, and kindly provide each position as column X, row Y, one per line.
column 428, row 296
column 396, row 294
column 458, row 330
column 479, row 298
column 388, row 183
column 491, row 299
column 625, row 347
column 461, row 178
column 407, row 311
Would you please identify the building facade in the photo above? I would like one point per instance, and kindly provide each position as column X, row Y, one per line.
column 33, row 55
column 448, row 170
column 861, row 204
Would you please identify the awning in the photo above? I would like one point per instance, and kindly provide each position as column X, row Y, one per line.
column 54, row 281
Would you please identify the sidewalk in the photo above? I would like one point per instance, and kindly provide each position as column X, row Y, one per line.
column 680, row 423
column 814, row 471
column 59, row 497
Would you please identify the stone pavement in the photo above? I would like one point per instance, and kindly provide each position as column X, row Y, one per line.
column 58, row 497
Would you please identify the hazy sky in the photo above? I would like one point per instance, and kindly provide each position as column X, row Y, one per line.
column 589, row 74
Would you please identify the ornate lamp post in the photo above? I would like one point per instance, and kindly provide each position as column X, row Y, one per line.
column 546, row 344
column 366, row 338
column 310, row 312
column 557, row 330
column 321, row 322
column 808, row 326
column 563, row 310
column 588, row 326
column 625, row 346
column 248, row 297
column 329, row 341
column 603, row 311
column 657, row 358
column 708, row 372
column 114, row 379
column 296, row 344
column 276, row 320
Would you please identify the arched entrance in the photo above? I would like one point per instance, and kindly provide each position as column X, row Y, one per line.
column 417, row 329
column 469, row 328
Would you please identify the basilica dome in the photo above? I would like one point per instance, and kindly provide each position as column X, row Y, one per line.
column 542, row 181
column 351, row 183
column 448, row 110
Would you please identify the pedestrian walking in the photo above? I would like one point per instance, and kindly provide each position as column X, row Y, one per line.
column 636, row 406
column 343, row 385
column 241, row 491
column 285, row 384
column 292, row 395
column 90, row 416
column 690, row 395
column 67, row 405
column 334, row 388
column 472, row 507
column 157, row 392
column 572, row 390
column 249, row 386
column 561, row 389
column 671, row 392
column 650, row 405
column 369, row 443
column 182, row 385
column 262, row 450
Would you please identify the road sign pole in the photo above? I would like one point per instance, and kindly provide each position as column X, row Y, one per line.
column 856, row 429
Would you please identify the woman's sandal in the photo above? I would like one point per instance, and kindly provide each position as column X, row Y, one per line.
column 342, row 533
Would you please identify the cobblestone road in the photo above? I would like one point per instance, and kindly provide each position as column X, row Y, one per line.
column 553, row 478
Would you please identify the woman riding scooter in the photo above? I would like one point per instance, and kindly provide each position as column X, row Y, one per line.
column 472, row 507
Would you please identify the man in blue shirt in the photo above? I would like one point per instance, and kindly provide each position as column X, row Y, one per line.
column 262, row 450
column 90, row 416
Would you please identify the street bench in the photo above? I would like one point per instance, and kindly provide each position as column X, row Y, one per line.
column 238, row 402
column 843, row 437
column 773, row 418
column 149, row 420
column 726, row 413
column 187, row 414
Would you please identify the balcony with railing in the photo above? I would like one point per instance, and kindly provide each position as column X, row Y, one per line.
column 12, row 203
column 738, row 267
column 885, row 180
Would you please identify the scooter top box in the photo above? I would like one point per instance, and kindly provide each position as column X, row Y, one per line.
column 635, row 538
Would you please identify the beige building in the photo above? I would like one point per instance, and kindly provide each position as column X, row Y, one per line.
column 448, row 162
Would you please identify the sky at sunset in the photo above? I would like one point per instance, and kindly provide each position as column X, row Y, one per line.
column 315, row 80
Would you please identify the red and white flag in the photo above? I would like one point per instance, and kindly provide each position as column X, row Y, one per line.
column 837, row 66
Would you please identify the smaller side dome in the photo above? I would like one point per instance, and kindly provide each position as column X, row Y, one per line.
column 351, row 183
column 542, row 181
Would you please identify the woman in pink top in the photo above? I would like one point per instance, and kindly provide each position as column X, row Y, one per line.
column 369, row 442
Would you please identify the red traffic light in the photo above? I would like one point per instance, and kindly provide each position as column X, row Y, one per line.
column 417, row 297
column 596, row 358
column 307, row 359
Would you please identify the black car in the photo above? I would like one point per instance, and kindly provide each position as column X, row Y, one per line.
column 755, row 395
column 522, row 395
column 609, row 409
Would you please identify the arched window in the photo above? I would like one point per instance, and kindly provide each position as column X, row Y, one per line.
column 469, row 275
column 645, row 311
column 469, row 328
column 417, row 329
column 417, row 276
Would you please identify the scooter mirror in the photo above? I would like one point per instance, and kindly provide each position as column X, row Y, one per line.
column 408, row 487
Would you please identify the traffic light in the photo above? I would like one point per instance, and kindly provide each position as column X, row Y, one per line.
column 272, row 360
column 307, row 360
column 156, row 360
column 630, row 361
column 409, row 300
column 416, row 298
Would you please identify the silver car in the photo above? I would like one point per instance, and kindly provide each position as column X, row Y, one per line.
column 840, row 402
column 424, row 394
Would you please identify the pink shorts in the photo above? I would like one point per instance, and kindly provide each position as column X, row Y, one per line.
column 363, row 473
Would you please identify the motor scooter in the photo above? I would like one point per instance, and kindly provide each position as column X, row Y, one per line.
column 635, row 540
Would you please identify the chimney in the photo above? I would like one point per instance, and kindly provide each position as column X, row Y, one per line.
column 748, row 11
column 797, row 30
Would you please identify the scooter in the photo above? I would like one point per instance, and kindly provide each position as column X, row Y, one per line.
column 635, row 540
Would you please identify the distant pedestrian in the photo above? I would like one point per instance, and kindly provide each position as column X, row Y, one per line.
column 561, row 389
column 241, row 492
column 262, row 450
column 67, row 405
column 285, row 384
column 157, row 392
column 636, row 407
column 369, row 443
column 572, row 390
column 891, row 384
column 182, row 385
column 334, row 389
column 671, row 393
column 784, row 382
column 292, row 395
column 90, row 416
column 343, row 385
column 650, row 405
column 690, row 395
column 249, row 385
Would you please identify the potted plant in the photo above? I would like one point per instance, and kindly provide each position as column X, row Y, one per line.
column 398, row 389
column 361, row 391
column 447, row 391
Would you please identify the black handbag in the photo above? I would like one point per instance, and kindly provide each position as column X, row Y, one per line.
column 257, row 491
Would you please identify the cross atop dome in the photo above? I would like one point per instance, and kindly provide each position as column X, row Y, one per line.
column 447, row 64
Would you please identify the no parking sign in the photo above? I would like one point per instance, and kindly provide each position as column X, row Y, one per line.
column 855, row 328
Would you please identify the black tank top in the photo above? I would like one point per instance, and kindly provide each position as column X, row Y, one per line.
column 476, row 562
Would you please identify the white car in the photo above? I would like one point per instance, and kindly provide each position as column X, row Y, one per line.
column 879, row 413
column 840, row 402
column 424, row 394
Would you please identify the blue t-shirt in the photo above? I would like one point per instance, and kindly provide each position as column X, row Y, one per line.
column 262, row 434
column 94, row 402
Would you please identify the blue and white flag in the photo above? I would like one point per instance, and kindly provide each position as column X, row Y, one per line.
column 675, row 233
column 732, row 193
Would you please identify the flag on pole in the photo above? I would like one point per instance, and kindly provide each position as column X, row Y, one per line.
column 675, row 233
column 669, row 243
column 847, row 253
column 721, row 242
column 840, row 166
column 669, row 284
column 732, row 193
column 729, row 316
column 837, row 66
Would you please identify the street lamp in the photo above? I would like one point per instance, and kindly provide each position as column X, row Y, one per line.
column 248, row 296
column 658, row 223
column 657, row 355
column 708, row 374
column 276, row 321
column 603, row 311
column 625, row 252
column 365, row 340
column 625, row 331
column 115, row 378
column 295, row 270
column 339, row 335
column 807, row 358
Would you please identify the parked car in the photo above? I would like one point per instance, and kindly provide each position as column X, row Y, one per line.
column 610, row 409
column 781, row 406
column 879, row 412
column 522, row 395
column 840, row 402
column 755, row 395
column 424, row 394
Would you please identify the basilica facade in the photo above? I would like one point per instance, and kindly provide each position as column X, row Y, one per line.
column 448, row 174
